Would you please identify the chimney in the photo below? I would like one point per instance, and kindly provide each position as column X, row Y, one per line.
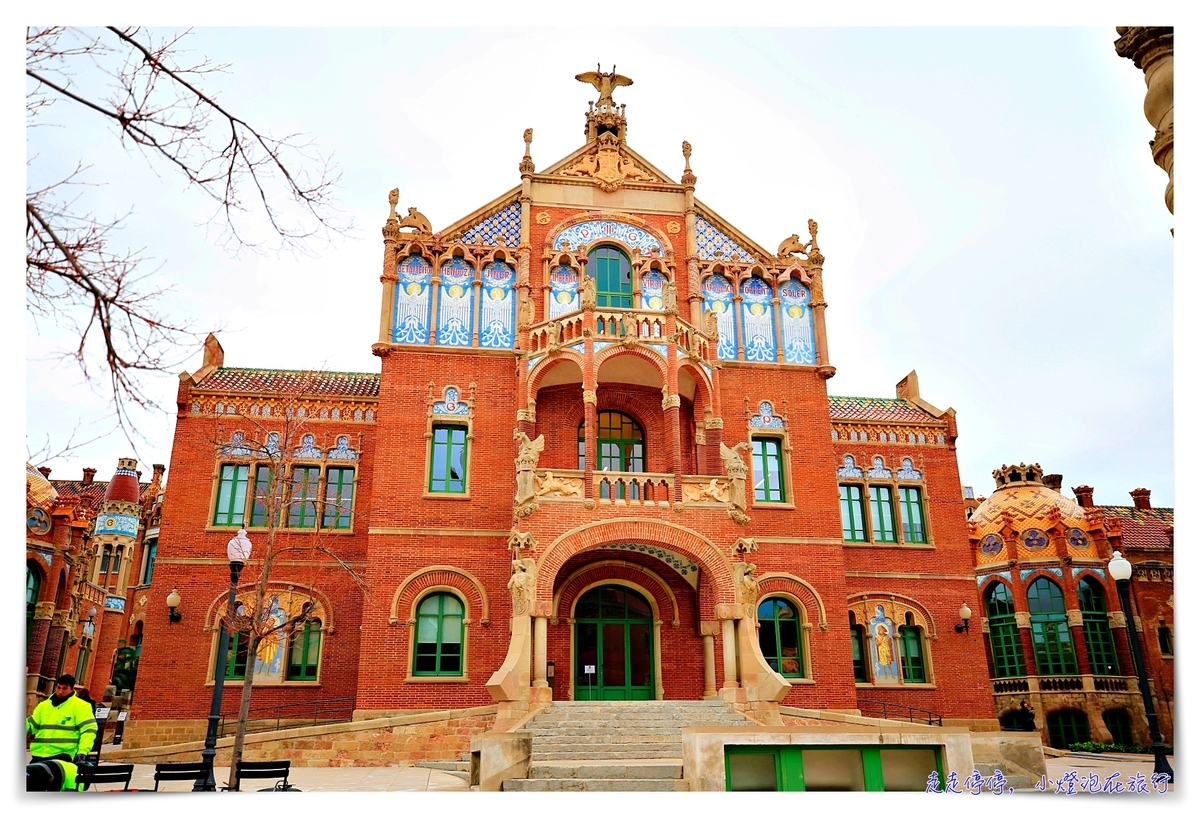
column 1053, row 481
column 88, row 476
column 45, row 471
column 1083, row 496
column 1141, row 498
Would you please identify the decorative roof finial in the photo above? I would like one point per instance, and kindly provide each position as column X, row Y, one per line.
column 391, row 227
column 393, row 198
column 604, row 83
column 689, row 178
column 527, row 161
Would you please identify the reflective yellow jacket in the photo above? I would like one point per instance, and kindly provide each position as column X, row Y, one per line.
column 68, row 729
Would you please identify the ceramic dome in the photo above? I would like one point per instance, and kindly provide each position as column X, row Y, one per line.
column 1028, row 503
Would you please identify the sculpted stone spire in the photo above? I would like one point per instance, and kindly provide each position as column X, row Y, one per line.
column 526, row 166
column 1152, row 50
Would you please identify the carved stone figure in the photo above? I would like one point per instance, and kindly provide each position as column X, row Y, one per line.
column 670, row 298
column 586, row 166
column 791, row 245
column 553, row 330
column 527, row 460
column 551, row 486
column 714, row 491
column 393, row 198
column 525, row 313
column 604, row 83
column 416, row 220
column 523, row 586
column 747, row 585
column 736, row 471
column 629, row 170
column 629, row 327
column 587, row 293
column 710, row 325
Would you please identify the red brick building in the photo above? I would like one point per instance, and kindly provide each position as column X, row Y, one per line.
column 599, row 460
column 1056, row 633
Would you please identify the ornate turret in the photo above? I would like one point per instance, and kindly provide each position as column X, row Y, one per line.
column 605, row 117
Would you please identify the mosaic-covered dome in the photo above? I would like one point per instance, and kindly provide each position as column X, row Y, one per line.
column 38, row 490
column 1028, row 501
column 124, row 484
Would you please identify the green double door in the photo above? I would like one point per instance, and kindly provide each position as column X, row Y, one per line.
column 614, row 645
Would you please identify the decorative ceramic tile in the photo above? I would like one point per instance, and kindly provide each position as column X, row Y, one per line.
column 342, row 451
column 564, row 290
column 718, row 297
column 758, row 321
column 455, row 303
column 588, row 232
column 878, row 471
column 498, row 306
column 906, row 471
column 766, row 417
column 501, row 228
column 849, row 470
column 799, row 346
column 714, row 245
column 685, row 567
column 450, row 404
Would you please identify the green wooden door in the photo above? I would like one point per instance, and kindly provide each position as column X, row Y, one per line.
column 614, row 651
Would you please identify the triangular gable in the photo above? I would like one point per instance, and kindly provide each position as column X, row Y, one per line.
column 497, row 222
column 591, row 147
column 718, row 240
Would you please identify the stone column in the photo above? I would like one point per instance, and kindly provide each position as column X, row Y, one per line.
column 729, row 654
column 1152, row 50
column 35, row 651
column 54, row 643
column 387, row 302
column 818, row 305
column 708, row 631
column 539, row 652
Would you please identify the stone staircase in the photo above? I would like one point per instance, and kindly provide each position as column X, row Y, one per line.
column 614, row 746
column 459, row 769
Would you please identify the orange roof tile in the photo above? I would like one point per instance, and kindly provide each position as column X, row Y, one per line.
column 883, row 409
column 1144, row 528
column 286, row 381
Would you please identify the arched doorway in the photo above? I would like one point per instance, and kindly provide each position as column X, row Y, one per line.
column 614, row 645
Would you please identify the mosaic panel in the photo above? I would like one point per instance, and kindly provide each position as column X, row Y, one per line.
column 1075, row 572
column 588, row 232
column 718, row 297
column 410, row 323
column 766, row 417
column 501, row 228
column 653, row 283
column 849, row 469
column 577, row 348
column 114, row 603
column 307, row 449
column 714, row 245
column 683, row 566
column 878, row 471
column 758, row 320
column 1026, row 573
column 498, row 306
column 342, row 451
column 1077, row 538
column 237, row 446
column 797, row 319
column 455, row 305
column 564, row 290
column 979, row 581
column 906, row 471
column 991, row 545
column 450, row 404
column 883, row 649
column 1035, row 539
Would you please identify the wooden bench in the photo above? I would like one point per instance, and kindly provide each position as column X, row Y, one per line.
column 183, row 771
column 266, row 769
column 90, row 774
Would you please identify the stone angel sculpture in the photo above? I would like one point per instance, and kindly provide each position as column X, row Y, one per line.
column 735, row 469
column 604, row 83
column 523, row 585
column 527, row 459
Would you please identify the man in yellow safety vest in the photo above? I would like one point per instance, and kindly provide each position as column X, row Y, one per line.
column 63, row 729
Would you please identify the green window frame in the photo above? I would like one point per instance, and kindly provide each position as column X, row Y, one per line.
column 1008, row 657
column 302, row 505
column 858, row 652
column 339, row 498
column 230, row 508
column 1067, row 727
column 883, row 517
column 448, row 460
column 262, row 489
column 1117, row 722
column 780, row 635
column 304, row 652
column 831, row 767
column 239, row 654
column 614, row 277
column 33, row 587
column 853, row 516
column 148, row 562
column 912, row 515
column 767, row 454
column 105, row 559
column 912, row 654
column 1053, row 651
column 438, row 644
column 620, row 447
column 1097, row 635
column 1166, row 641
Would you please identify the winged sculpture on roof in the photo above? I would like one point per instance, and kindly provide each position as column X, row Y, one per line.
column 604, row 83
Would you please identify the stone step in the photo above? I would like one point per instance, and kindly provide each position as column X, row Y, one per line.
column 609, row 737
column 631, row 769
column 539, row 729
column 607, row 753
column 594, row 785
column 448, row 766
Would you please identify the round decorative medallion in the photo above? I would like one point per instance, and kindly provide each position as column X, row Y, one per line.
column 542, row 218
column 1077, row 538
column 673, row 227
column 1034, row 539
column 38, row 521
column 991, row 545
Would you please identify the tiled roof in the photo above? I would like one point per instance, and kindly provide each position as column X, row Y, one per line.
column 92, row 493
column 286, row 381
column 1143, row 528
column 885, row 409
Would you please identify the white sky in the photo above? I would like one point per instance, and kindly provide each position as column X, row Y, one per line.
column 989, row 210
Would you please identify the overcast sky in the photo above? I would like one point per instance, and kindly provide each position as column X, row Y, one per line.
column 989, row 211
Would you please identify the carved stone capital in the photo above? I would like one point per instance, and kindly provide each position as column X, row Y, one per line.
column 1022, row 618
column 714, row 423
column 670, row 401
column 527, row 415
column 710, row 628
column 542, row 608
column 728, row 610
column 1145, row 44
column 1116, row 620
column 43, row 610
column 1074, row 617
column 589, row 396
column 701, row 439
column 60, row 619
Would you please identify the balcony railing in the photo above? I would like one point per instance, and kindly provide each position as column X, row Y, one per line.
column 1017, row 685
column 1065, row 684
column 633, row 488
column 615, row 326
column 1060, row 683
column 1115, row 684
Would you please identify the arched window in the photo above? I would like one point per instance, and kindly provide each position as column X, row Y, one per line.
column 620, row 444
column 858, row 650
column 1097, row 635
column 304, row 651
column 1067, row 727
column 1117, row 722
column 1008, row 659
column 912, row 653
column 779, row 636
column 33, row 587
column 1052, row 648
column 614, row 278
column 439, row 640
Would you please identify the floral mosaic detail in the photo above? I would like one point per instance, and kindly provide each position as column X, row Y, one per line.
column 714, row 245
column 455, row 303
column 498, row 306
column 272, row 446
column 878, row 471
column 682, row 565
column 991, row 545
column 450, row 404
column 342, row 451
column 1077, row 538
column 997, row 574
column 1026, row 573
column 307, row 449
column 1035, row 539
column 758, row 320
column 502, row 227
column 114, row 603
column 588, row 232
column 410, row 322
column 766, row 417
column 849, row 469
column 718, row 297
column 796, row 317
column 564, row 290
column 237, row 446
column 906, row 471
column 652, row 290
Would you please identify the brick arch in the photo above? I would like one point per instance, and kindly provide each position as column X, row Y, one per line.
column 902, row 604
column 636, row 529
column 781, row 582
column 704, row 389
column 439, row 577
column 617, row 350
column 549, row 362
column 213, row 616
column 627, row 573
column 591, row 216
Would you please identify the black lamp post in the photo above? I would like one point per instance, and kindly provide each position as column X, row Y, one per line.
column 239, row 552
column 1121, row 571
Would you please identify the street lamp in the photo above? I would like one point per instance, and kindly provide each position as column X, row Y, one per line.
column 964, row 613
column 1121, row 571
column 238, row 551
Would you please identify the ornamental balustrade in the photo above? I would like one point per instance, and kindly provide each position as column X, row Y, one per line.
column 633, row 488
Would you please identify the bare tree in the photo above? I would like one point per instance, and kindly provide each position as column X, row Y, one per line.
column 266, row 192
column 282, row 506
